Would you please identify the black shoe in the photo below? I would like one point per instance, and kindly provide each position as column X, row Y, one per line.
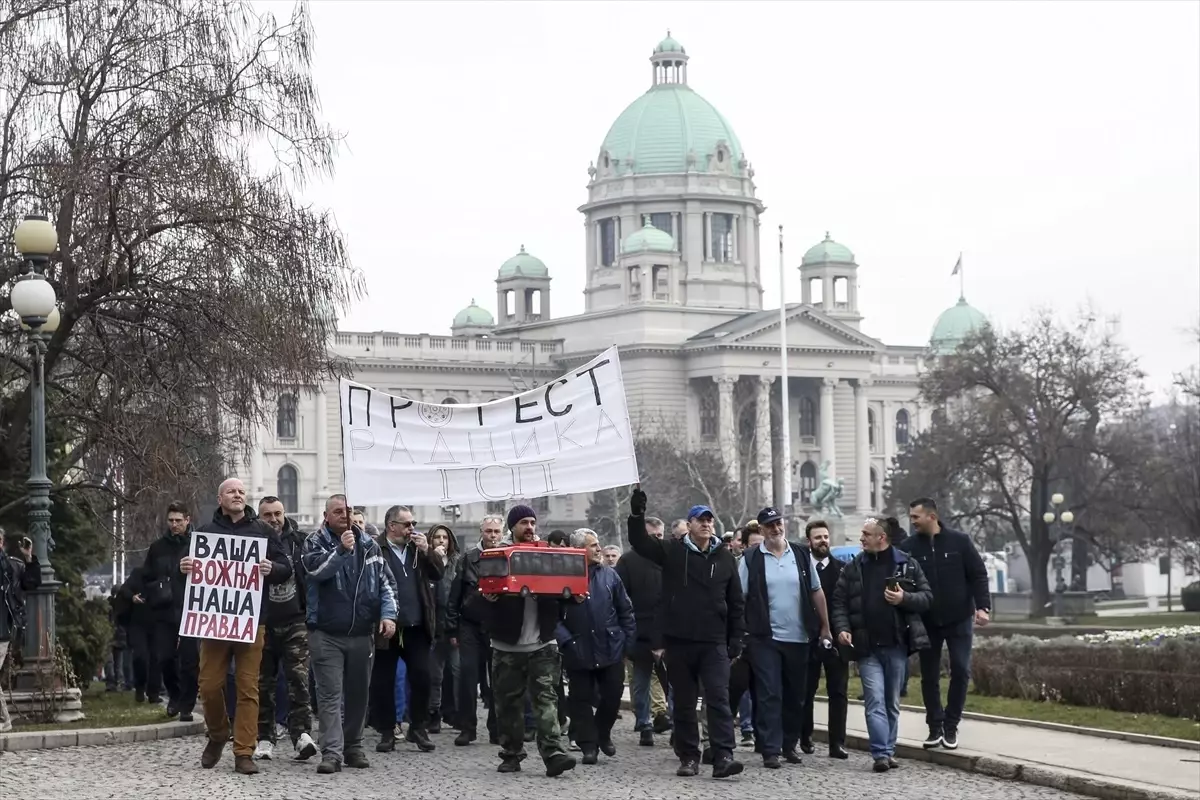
column 172, row 711
column 706, row 757
column 950, row 739
column 509, row 765
column 687, row 768
column 357, row 761
column 328, row 766
column 726, row 768
column 531, row 735
column 893, row 763
column 747, row 737
column 386, row 745
column 837, row 751
column 771, row 762
column 187, row 717
column 647, row 738
column 807, row 747
column 881, row 765
column 792, row 757
column 464, row 738
column 560, row 763
column 935, row 737
column 608, row 748
column 139, row 696
column 591, row 756
column 662, row 723
column 421, row 739
column 153, row 699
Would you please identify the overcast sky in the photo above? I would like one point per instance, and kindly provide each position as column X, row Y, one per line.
column 1056, row 144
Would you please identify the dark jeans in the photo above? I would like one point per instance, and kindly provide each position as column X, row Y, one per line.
column 474, row 665
column 780, row 680
column 147, row 670
column 178, row 660
column 957, row 638
column 414, row 647
column 837, row 675
column 691, row 666
column 118, row 670
column 598, row 689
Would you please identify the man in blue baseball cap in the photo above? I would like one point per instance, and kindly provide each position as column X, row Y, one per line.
column 702, row 629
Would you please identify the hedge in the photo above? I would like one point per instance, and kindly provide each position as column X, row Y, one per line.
column 1191, row 596
column 1161, row 677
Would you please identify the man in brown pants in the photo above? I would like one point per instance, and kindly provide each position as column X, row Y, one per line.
column 235, row 517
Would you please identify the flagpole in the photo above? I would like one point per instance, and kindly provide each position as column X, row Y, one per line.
column 785, row 414
column 962, row 291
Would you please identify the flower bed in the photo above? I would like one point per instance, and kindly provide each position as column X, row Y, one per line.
column 1153, row 671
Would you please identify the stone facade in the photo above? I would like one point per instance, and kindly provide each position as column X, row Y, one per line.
column 700, row 356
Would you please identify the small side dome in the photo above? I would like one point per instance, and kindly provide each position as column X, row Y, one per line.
column 474, row 316
column 669, row 45
column 954, row 325
column 648, row 240
column 523, row 265
column 828, row 251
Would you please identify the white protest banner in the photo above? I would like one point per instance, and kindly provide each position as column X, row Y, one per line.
column 571, row 435
column 224, row 589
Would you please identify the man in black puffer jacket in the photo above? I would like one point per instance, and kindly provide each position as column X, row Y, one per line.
column 876, row 610
column 643, row 582
column 701, row 617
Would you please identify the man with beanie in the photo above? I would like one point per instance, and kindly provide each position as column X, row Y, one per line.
column 702, row 630
column 525, row 658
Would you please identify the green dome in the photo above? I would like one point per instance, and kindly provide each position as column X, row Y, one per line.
column 828, row 250
column 954, row 325
column 669, row 45
column 648, row 239
column 523, row 265
column 473, row 315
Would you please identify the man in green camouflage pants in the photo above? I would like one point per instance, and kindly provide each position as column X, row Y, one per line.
column 525, row 659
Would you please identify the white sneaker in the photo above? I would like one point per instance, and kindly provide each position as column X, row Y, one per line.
column 305, row 747
column 264, row 751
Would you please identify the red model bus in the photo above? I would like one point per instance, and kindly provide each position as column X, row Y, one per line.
column 530, row 569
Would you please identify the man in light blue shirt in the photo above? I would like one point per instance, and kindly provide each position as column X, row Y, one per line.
column 785, row 613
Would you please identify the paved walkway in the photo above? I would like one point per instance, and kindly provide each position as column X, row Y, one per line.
column 1174, row 768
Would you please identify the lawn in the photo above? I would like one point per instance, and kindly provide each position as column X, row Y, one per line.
column 1160, row 619
column 103, row 710
column 1078, row 716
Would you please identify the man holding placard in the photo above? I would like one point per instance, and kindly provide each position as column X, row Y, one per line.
column 230, row 561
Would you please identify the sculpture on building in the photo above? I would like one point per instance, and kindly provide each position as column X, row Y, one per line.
column 825, row 496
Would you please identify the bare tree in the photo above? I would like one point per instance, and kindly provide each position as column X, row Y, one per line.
column 167, row 140
column 1032, row 412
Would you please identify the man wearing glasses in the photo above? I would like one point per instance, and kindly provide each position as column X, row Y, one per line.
column 785, row 616
column 415, row 567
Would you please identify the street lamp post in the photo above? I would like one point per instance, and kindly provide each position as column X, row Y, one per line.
column 1056, row 520
column 33, row 299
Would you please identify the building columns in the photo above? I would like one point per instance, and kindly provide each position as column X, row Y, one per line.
column 321, row 484
column 726, row 430
column 828, row 453
column 762, row 437
column 862, row 447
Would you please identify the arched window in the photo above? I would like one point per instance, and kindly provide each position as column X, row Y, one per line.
column 288, row 488
column 285, row 417
column 901, row 428
column 808, row 417
column 874, row 488
column 938, row 417
column 449, row 401
column 808, row 480
column 871, row 429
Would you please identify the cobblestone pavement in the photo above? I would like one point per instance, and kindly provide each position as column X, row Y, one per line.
column 171, row 769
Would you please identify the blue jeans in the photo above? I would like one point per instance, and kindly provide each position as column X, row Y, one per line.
column 882, row 674
column 746, row 714
column 780, row 678
column 639, row 693
column 958, row 639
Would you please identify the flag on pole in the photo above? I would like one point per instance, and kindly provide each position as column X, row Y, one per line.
column 957, row 265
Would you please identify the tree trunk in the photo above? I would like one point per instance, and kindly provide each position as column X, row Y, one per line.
column 1080, row 558
column 1039, row 584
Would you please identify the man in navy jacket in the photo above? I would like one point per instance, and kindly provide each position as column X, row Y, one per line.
column 961, row 600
